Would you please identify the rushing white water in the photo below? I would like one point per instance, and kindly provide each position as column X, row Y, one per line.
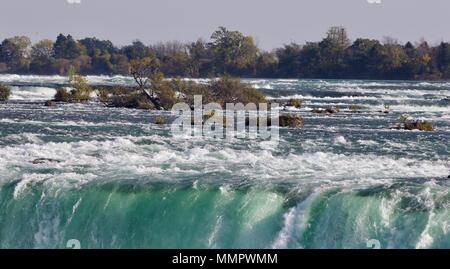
column 110, row 178
column 32, row 93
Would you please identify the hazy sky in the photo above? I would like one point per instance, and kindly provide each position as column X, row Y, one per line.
column 271, row 22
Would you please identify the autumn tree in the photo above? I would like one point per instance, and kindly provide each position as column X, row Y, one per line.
column 146, row 73
column 15, row 52
column 231, row 90
column 120, row 63
column 174, row 57
column 338, row 37
column 202, row 59
column 233, row 51
column 81, row 91
column 42, row 56
column 332, row 53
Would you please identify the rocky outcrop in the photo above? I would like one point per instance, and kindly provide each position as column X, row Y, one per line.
column 418, row 125
column 296, row 103
column 287, row 120
column 291, row 121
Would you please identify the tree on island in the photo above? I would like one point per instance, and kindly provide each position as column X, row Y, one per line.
column 147, row 71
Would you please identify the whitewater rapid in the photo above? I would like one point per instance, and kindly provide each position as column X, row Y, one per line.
column 114, row 179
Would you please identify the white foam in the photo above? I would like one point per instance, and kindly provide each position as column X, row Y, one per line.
column 340, row 140
column 24, row 137
column 122, row 156
column 295, row 222
column 62, row 180
column 32, row 93
column 35, row 79
column 368, row 142
column 12, row 78
column 426, row 240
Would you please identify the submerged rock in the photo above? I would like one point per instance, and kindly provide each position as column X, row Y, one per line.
column 291, row 121
column 44, row 160
column 50, row 103
column 330, row 110
column 318, row 110
column 296, row 103
column 355, row 108
column 419, row 125
column 160, row 120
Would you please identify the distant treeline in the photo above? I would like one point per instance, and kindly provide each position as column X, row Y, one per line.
column 233, row 53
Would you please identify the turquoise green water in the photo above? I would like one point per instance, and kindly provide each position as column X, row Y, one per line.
column 119, row 181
